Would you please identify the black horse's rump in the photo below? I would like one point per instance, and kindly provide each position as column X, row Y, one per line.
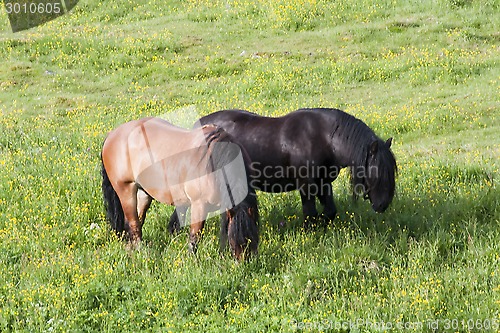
column 306, row 149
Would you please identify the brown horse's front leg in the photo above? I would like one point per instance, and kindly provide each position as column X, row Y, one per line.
column 135, row 231
column 198, row 216
column 127, row 192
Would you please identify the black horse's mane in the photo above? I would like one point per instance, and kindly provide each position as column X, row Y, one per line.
column 353, row 134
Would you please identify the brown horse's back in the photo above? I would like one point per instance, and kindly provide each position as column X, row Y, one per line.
column 158, row 156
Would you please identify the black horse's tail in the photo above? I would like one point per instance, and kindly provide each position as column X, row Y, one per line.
column 114, row 210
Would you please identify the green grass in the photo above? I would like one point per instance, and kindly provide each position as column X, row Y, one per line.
column 425, row 73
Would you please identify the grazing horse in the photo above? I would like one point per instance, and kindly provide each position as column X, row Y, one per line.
column 202, row 168
column 305, row 151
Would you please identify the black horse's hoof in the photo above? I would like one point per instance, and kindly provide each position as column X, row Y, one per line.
column 310, row 223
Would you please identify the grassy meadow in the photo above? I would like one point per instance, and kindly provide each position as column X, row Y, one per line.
column 426, row 73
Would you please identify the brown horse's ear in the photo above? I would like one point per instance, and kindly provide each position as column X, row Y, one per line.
column 250, row 212
column 374, row 147
column 230, row 214
column 388, row 143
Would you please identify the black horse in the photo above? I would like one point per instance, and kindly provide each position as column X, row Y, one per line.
column 306, row 149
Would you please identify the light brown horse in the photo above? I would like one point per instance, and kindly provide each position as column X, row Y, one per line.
column 203, row 168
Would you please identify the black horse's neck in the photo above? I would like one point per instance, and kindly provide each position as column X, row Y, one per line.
column 350, row 138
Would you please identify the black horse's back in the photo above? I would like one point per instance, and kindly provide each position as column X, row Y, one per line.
column 305, row 150
column 227, row 115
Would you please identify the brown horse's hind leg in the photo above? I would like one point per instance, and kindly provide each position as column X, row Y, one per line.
column 143, row 203
column 127, row 192
column 198, row 216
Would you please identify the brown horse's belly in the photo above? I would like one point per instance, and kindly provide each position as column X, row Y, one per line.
column 171, row 187
column 173, row 195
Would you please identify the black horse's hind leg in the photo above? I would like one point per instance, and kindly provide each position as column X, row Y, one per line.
column 177, row 219
column 309, row 210
column 224, row 228
column 326, row 199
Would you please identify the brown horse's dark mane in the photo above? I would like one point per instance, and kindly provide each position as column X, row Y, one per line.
column 222, row 155
column 238, row 230
column 216, row 135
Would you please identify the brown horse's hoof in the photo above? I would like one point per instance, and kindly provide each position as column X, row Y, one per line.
column 192, row 248
column 134, row 243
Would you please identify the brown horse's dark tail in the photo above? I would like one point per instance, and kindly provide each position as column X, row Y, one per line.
column 114, row 210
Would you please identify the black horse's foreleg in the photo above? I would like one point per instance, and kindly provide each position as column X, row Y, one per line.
column 309, row 209
column 177, row 219
column 326, row 199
